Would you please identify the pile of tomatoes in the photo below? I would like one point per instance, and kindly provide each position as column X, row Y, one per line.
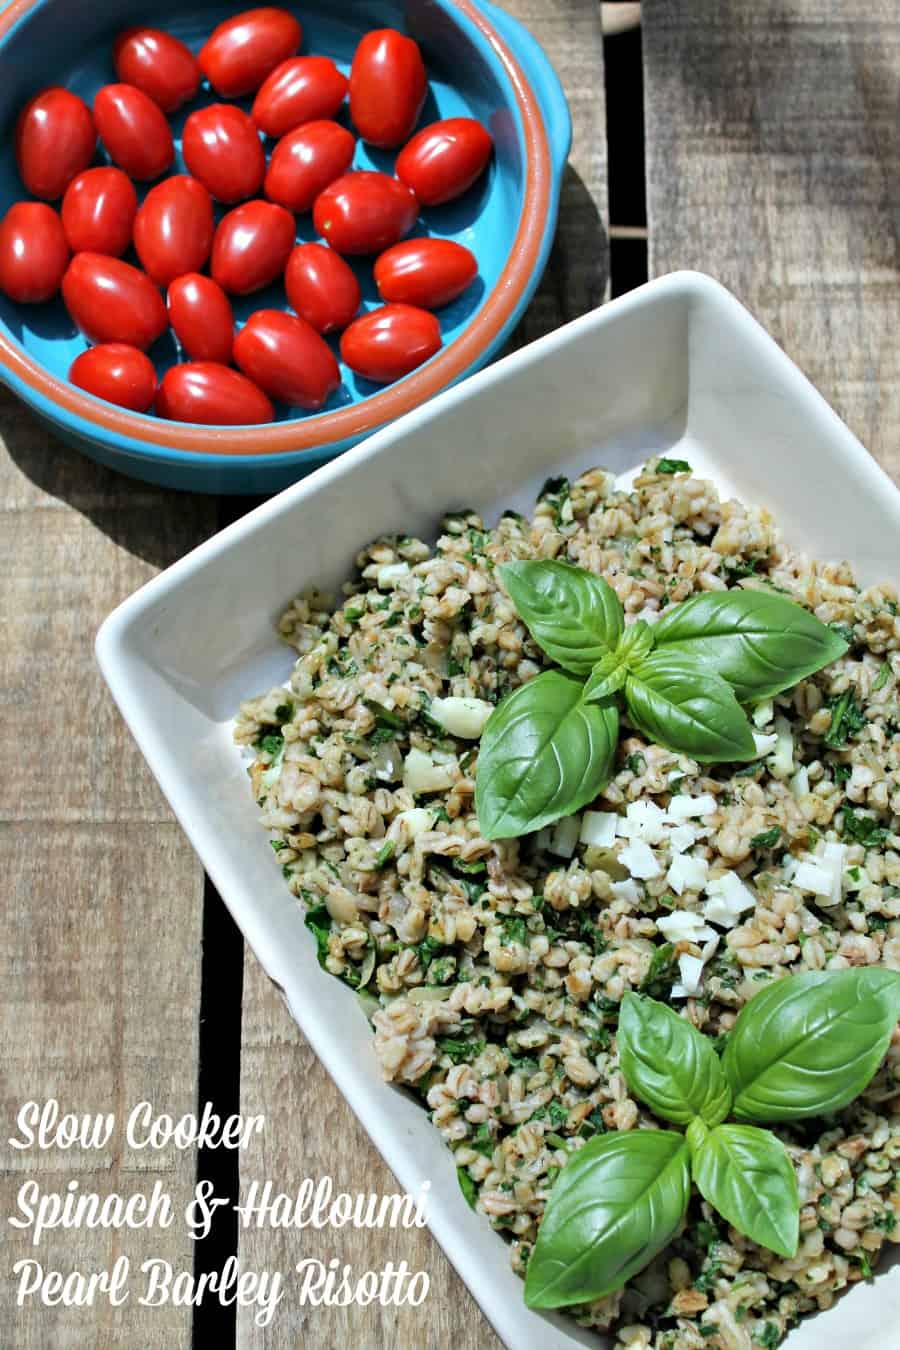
column 119, row 307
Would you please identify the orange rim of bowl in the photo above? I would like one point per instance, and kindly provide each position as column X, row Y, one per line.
column 327, row 428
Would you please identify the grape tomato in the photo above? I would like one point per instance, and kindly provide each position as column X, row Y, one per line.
column 322, row 287
column 222, row 148
column 118, row 373
column 111, row 301
column 305, row 161
column 98, row 212
column 243, row 50
column 158, row 64
column 364, row 212
column 443, row 160
column 389, row 342
column 201, row 317
column 55, row 139
column 33, row 252
column 286, row 357
column 251, row 247
column 304, row 89
column 203, row 391
column 388, row 85
column 134, row 131
column 173, row 230
column 425, row 272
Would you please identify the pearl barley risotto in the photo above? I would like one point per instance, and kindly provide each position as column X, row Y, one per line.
column 492, row 972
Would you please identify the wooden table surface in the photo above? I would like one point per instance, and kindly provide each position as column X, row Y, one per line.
column 773, row 163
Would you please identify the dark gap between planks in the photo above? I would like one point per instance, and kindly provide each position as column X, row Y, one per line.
column 221, row 989
column 624, row 76
column 221, row 999
column 222, row 967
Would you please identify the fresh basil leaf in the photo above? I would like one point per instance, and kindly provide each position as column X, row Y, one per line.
column 670, row 1065
column 607, row 678
column 573, row 615
column 682, row 705
column 617, row 1203
column 746, row 1174
column 760, row 642
column 636, row 644
column 544, row 753
column 808, row 1044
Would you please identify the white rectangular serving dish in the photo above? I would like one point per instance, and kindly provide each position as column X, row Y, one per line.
column 677, row 366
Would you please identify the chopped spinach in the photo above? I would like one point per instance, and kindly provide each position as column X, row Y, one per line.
column 847, row 718
column 882, row 678
column 673, row 466
column 460, row 1049
column 768, row 838
column 863, row 829
column 318, row 921
column 467, row 1186
column 385, row 853
column 661, row 973
column 271, row 743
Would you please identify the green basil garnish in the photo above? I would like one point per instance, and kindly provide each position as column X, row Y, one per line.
column 671, row 705
column 746, row 1174
column 544, row 753
column 548, row 747
column 669, row 1064
column 807, row 1045
column 759, row 642
column 616, row 1204
column 573, row 615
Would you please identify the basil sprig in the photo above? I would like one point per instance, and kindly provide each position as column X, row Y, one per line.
column 550, row 752
column 547, row 750
column 812, row 1044
column 804, row 1045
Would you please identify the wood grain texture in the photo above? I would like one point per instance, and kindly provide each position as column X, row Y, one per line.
column 101, row 907
column 773, row 163
column 279, row 1074
column 577, row 275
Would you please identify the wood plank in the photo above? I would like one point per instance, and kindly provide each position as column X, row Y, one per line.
column 773, row 163
column 101, row 913
column 279, row 1073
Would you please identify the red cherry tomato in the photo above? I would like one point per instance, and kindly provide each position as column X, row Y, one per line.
column 173, row 231
column 391, row 341
column 287, row 358
column 111, row 301
column 203, row 391
column 241, row 52
column 364, row 212
column 33, row 252
column 304, row 89
column 134, row 131
column 55, row 139
column 252, row 246
column 321, row 287
column 425, row 272
column 221, row 147
column 388, row 85
column 305, row 161
column 98, row 212
column 201, row 318
column 444, row 159
column 158, row 64
column 118, row 373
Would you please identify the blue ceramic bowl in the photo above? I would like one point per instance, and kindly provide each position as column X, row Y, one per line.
column 481, row 63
